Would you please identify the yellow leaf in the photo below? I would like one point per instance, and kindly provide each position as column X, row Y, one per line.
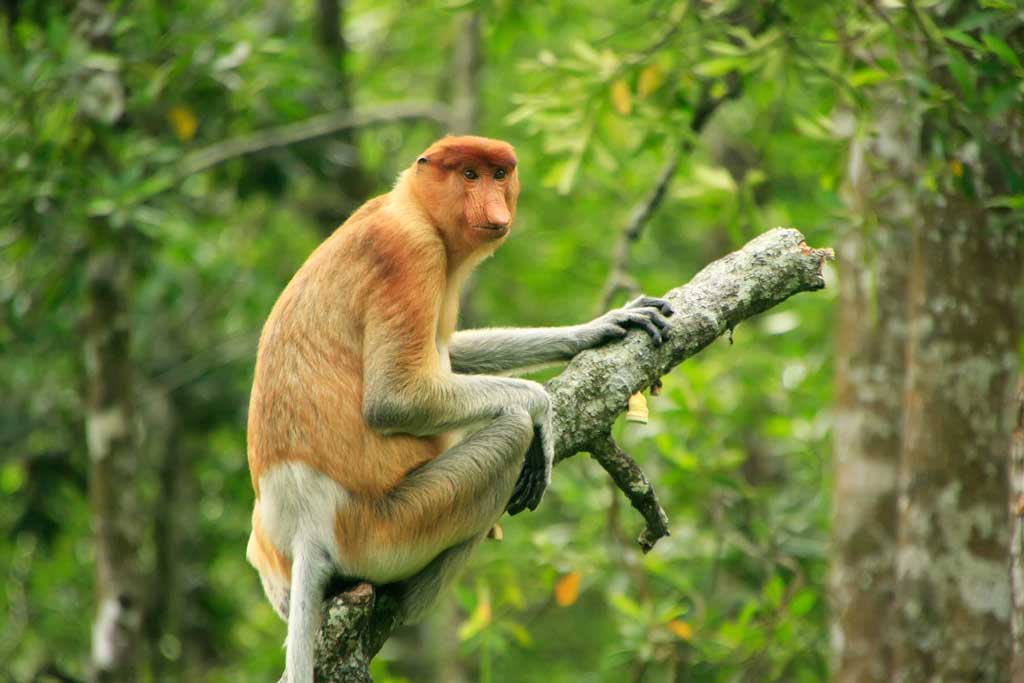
column 622, row 99
column 183, row 121
column 567, row 590
column 650, row 79
column 681, row 629
column 480, row 618
column 956, row 167
column 483, row 610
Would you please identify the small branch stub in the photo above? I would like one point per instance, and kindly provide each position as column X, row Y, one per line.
column 628, row 476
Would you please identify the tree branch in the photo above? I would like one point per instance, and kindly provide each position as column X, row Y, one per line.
column 312, row 128
column 632, row 481
column 619, row 278
column 591, row 393
column 594, row 388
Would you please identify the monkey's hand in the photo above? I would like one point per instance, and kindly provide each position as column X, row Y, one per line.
column 646, row 312
column 536, row 473
column 533, row 478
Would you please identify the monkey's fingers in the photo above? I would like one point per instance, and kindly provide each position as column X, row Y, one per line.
column 650, row 321
column 515, row 503
column 535, row 452
column 528, row 491
column 662, row 305
column 540, row 485
column 529, row 497
column 518, row 502
column 515, row 506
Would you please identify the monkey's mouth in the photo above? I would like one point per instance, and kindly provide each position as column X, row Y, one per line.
column 493, row 230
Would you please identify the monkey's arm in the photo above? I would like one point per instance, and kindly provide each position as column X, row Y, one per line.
column 427, row 402
column 405, row 390
column 434, row 404
column 518, row 350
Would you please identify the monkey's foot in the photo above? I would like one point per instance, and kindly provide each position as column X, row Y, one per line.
column 532, row 480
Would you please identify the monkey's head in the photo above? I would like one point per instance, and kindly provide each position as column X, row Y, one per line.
column 468, row 186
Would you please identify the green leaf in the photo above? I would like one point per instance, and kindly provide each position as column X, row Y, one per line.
column 101, row 207
column 962, row 73
column 862, row 77
column 963, row 39
column 1010, row 201
column 720, row 66
column 627, row 606
column 12, row 477
column 803, row 602
column 977, row 20
column 1002, row 50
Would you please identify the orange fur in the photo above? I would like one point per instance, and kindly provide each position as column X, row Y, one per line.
column 264, row 554
column 375, row 299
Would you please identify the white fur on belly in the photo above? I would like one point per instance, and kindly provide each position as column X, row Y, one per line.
column 299, row 505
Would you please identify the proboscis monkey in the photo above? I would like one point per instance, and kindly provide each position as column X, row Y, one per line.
column 380, row 446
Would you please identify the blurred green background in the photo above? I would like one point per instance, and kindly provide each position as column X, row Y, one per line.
column 102, row 106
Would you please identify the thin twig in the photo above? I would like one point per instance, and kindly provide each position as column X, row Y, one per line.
column 312, row 128
column 619, row 278
column 618, row 274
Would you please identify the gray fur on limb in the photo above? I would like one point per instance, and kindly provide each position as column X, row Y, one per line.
column 591, row 393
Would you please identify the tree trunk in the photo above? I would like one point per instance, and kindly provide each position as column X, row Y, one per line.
column 1017, row 535
column 869, row 386
column 953, row 589
column 178, row 640
column 351, row 177
column 111, row 435
column 112, row 445
column 467, row 60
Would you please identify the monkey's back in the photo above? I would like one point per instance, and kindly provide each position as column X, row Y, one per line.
column 307, row 397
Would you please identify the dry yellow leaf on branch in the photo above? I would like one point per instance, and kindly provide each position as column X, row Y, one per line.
column 650, row 79
column 567, row 590
column 681, row 629
column 183, row 121
column 622, row 99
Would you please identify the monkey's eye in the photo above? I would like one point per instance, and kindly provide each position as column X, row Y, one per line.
column 470, row 174
column 499, row 174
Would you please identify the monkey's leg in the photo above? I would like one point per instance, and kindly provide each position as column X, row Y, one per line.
column 417, row 594
column 449, row 504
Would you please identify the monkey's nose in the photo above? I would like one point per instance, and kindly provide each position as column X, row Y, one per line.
column 498, row 217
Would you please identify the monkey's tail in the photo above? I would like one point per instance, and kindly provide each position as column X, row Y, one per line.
column 310, row 571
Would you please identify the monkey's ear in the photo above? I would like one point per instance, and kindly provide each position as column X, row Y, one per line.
column 422, row 160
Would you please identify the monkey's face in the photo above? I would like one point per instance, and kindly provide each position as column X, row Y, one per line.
column 489, row 194
column 470, row 187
